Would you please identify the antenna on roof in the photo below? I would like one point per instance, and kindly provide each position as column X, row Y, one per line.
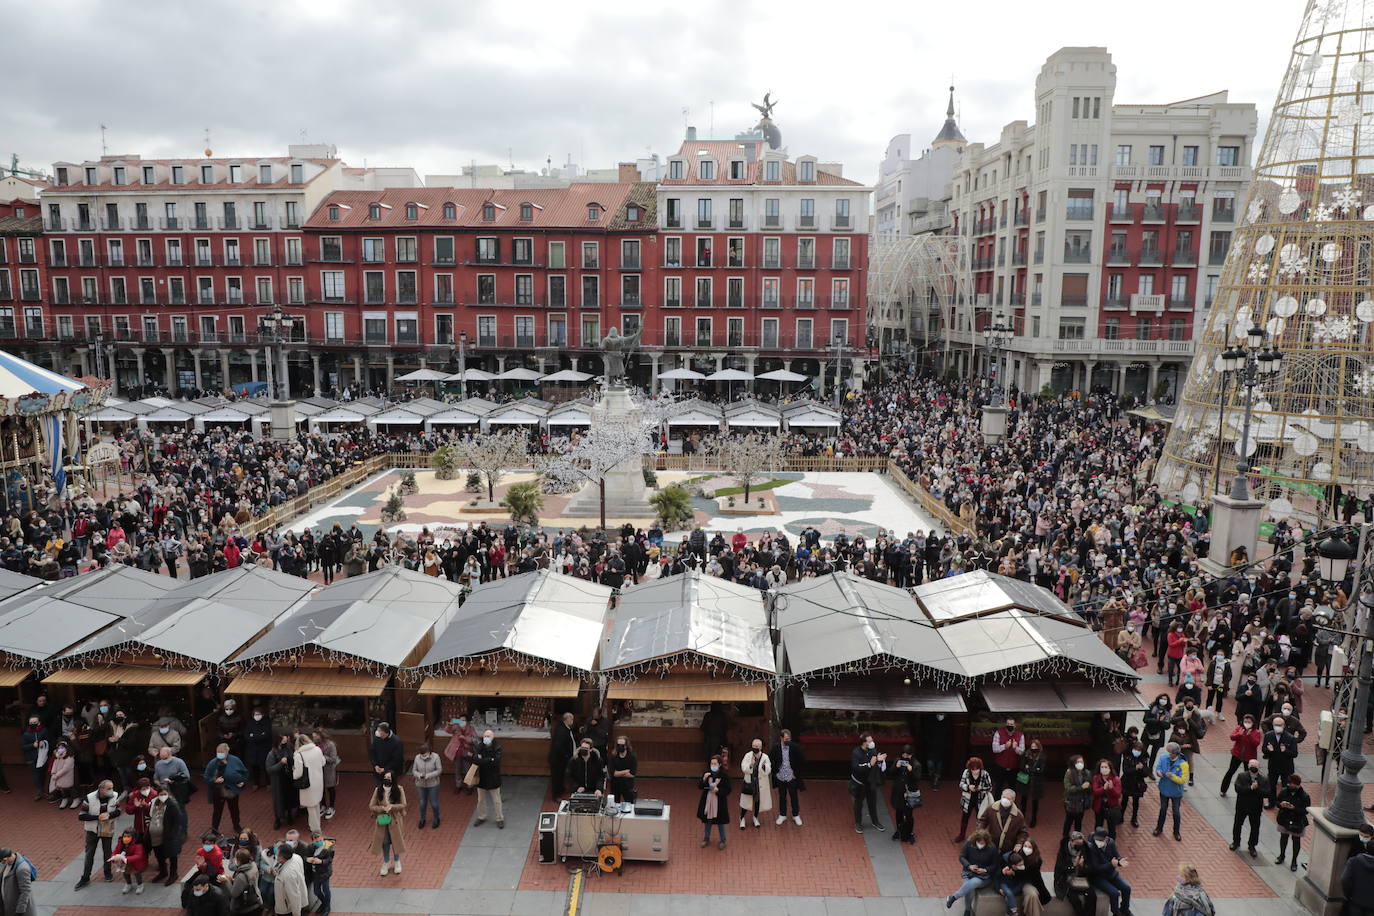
column 103, row 150
column 510, row 157
column 302, row 134
column 711, row 120
column 208, row 151
column 686, row 117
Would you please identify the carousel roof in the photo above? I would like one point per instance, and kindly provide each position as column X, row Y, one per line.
column 19, row 377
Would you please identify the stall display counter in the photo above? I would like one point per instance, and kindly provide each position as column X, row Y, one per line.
column 517, row 707
column 642, row 838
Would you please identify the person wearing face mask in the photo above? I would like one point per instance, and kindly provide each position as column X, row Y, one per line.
column 203, row 897
column 866, row 769
column 1108, row 797
column 905, row 776
column 1008, row 747
column 1218, row 680
column 790, row 758
column 16, row 878
column 98, row 814
column 1292, row 802
column 330, row 751
column 285, row 795
column 131, row 851
column 225, row 776
column 35, row 745
column 241, row 883
column 62, row 776
column 1280, row 751
column 1245, row 745
column 166, row 834
column 1157, row 722
column 230, row 724
column 168, row 769
column 585, row 772
column 209, row 855
column 622, row 766
column 385, row 752
column 1135, row 772
column 980, row 865
column 714, row 804
column 1364, row 843
column 756, row 787
column 1189, row 729
column 427, row 770
column 975, row 790
column 1249, row 698
column 388, row 807
column 1030, row 782
column 290, row 896
column 1177, row 642
column 1102, row 862
column 257, row 742
column 1171, row 771
column 307, row 776
column 1035, row 863
column 1015, row 886
column 486, row 755
column 164, row 736
column 138, row 802
column 1252, row 789
column 462, row 736
column 1070, row 879
column 1003, row 821
column 1078, row 784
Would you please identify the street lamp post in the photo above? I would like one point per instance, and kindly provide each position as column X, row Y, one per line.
column 271, row 327
column 995, row 337
column 1338, row 557
column 1249, row 364
column 839, row 355
column 463, row 364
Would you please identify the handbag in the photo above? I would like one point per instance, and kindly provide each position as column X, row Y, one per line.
column 302, row 781
column 1115, row 816
column 913, row 798
column 383, row 820
column 1078, row 885
column 471, row 777
column 1023, row 777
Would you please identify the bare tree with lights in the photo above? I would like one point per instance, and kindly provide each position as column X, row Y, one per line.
column 749, row 458
column 492, row 455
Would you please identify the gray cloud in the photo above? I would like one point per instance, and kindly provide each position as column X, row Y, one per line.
column 439, row 84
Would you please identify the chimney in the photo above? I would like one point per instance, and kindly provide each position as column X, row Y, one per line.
column 691, row 134
column 628, row 171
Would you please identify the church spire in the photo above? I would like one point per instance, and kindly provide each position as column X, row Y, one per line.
column 949, row 135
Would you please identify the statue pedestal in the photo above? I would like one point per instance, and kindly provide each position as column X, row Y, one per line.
column 1319, row 890
column 1235, row 523
column 283, row 421
column 627, row 496
column 994, row 423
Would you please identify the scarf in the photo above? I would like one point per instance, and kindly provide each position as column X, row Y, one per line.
column 156, row 817
column 712, row 808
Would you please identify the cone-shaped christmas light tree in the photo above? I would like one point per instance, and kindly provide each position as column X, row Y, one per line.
column 1300, row 268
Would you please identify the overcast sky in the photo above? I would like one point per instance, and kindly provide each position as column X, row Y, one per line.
column 436, row 85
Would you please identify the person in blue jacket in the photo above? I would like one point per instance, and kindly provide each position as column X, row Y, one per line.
column 225, row 777
column 1172, row 773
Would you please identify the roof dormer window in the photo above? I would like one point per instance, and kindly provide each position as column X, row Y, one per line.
column 333, row 214
column 450, row 211
column 489, row 213
column 207, row 174
column 706, row 170
column 633, row 213
column 772, row 170
column 374, row 211
column 806, row 170
column 677, row 169
column 593, row 212
column 736, row 169
column 235, row 174
column 412, row 211
column 527, row 211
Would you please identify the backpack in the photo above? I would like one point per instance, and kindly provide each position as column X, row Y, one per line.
column 33, row 872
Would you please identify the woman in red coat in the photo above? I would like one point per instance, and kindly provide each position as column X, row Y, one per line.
column 131, row 851
column 137, row 804
column 1178, row 641
column 1106, row 790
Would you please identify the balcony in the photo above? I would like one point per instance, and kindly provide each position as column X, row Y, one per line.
column 1018, row 259
column 146, row 260
column 58, row 260
column 115, row 260
column 672, row 302
column 737, row 222
column 175, row 261
column 1039, row 256
column 1040, row 215
column 259, row 224
column 806, row 262
column 443, row 298
column 806, row 221
column 769, row 301
column 631, row 263
column 53, row 224
column 111, row 225
column 705, row 222
column 1178, row 303
column 1017, row 299
column 840, row 222
column 772, row 263
column 772, row 221
column 1189, row 213
column 1216, row 257
column 1036, row 298
column 1078, row 214
column 61, row 298
column 83, row 225
column 1147, row 302
column 1078, row 255
column 1001, row 259
column 1115, row 301
column 230, row 222
column 201, row 224
column 1223, row 214
column 1118, row 256
column 28, row 293
column 840, row 263
column 1022, row 219
column 672, row 222
column 704, row 301
column 141, row 224
column 1152, row 213
column 1184, row 257
column 1121, row 214
column 171, row 223
column 1002, row 220
column 835, row 302
column 444, row 261
column 982, row 263
column 406, row 299
column 1150, row 257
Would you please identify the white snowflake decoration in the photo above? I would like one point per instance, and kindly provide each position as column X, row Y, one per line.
column 1322, row 213
column 1347, row 198
column 1255, row 210
column 1258, row 272
column 1331, row 330
column 1292, row 264
column 1198, row 446
column 1364, row 383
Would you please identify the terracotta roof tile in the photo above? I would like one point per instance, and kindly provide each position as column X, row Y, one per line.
column 722, row 151
column 561, row 208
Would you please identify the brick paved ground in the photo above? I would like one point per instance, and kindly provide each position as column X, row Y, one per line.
column 825, row 857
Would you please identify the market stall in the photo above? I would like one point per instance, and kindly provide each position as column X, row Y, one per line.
column 39, row 623
column 161, row 653
column 330, row 662
column 692, row 420
column 524, row 412
column 518, row 654
column 679, row 646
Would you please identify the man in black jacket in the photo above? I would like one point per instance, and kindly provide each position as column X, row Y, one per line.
column 487, row 755
column 866, row 768
column 257, row 741
column 1251, row 791
column 585, row 771
column 1101, row 861
column 789, row 763
column 562, row 740
column 1280, row 749
column 387, row 753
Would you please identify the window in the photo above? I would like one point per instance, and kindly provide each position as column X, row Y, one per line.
column 259, row 214
column 703, row 338
column 149, row 175
column 1114, row 288
column 806, row 253
column 703, row 252
column 264, row 290
column 1074, row 290
column 205, row 290
column 770, row 332
column 207, row 327
column 119, row 175
column 772, row 253
column 772, row 212
column 706, row 170
column 443, row 289
column 772, row 170
column 734, row 293
column 629, row 290
column 591, row 255
column 1224, row 207
column 736, row 211
column 806, row 212
column 334, row 214
column 806, row 170
column 1217, row 247
column 704, row 213
column 1228, row 155
column 332, row 285
column 629, row 254
column 703, row 296
column 295, row 290
column 178, row 174
column 558, row 331
column 526, row 212
column 1078, row 244
column 736, row 169
column 734, row 252
column 672, row 252
column 524, row 331
column 558, row 292
column 293, row 252
column 450, row 211
column 842, row 213
column 176, row 290
column 734, row 332
column 1097, row 107
column 522, row 251
column 1075, row 108
column 486, row 289
column 1144, row 327
column 839, row 330
column 231, row 216
column 235, row 174
column 771, row 287
column 486, row 330
column 1178, row 290
column 804, row 333
column 374, row 211
column 593, row 213
column 488, row 250
column 591, row 291
column 591, row 330
column 1123, row 154
column 1156, row 155
column 297, row 174
column 672, row 217
column 672, row 292
column 488, row 212
column 1080, row 204
column 1212, row 281
column 374, row 251
column 1145, row 285
column 524, row 289
column 676, row 169
column 1121, row 202
column 265, row 174
column 806, row 293
column 1112, row 329
column 633, row 214
column 443, row 250
column 839, row 254
column 1178, row 329
column 1071, row 329
column 557, row 256
column 672, row 332
column 412, row 211
column 91, row 176
column 406, row 287
column 374, row 327
column 1190, row 155
column 406, row 251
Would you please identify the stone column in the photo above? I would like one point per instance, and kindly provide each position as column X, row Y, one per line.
column 138, row 358
column 358, row 370
column 654, row 386
column 749, row 360
column 390, row 371
column 1088, row 366
column 315, row 372
column 284, row 367
column 720, row 360
column 169, row 368
column 82, row 360
column 1154, row 380
column 500, row 364
column 253, row 365
column 856, row 372
column 224, row 368
column 195, row 365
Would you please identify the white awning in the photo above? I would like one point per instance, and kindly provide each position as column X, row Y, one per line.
column 783, row 375
column 682, row 374
column 568, row 375
column 423, row 375
column 729, row 375
column 519, row 375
